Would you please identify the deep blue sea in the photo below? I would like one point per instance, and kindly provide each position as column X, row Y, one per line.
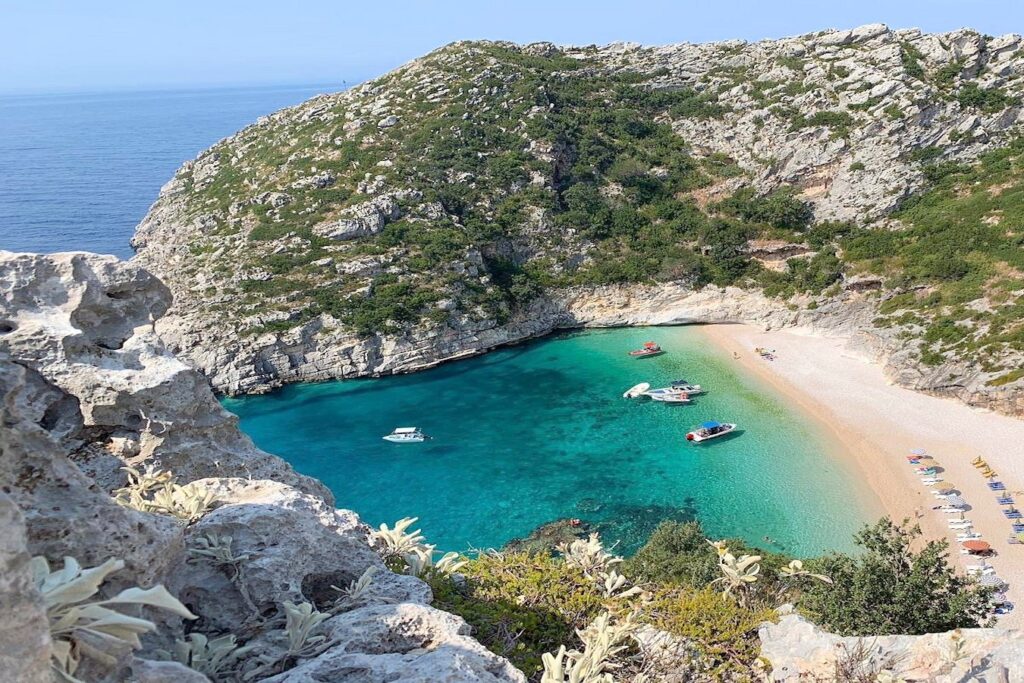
column 79, row 171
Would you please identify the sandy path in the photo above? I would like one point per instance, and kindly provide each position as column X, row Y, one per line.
column 878, row 423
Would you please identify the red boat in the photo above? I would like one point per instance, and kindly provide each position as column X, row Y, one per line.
column 649, row 349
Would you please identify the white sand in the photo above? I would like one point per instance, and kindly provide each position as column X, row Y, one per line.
column 878, row 424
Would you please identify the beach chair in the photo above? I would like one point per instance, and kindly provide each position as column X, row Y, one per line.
column 977, row 460
column 1004, row 500
column 1018, row 528
column 1012, row 514
column 997, row 486
column 980, row 464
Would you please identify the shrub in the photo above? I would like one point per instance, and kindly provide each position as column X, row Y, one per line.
column 521, row 605
column 723, row 632
column 677, row 553
column 892, row 588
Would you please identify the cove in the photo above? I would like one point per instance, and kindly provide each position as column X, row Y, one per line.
column 533, row 433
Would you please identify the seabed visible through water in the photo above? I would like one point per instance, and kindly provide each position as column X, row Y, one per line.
column 530, row 434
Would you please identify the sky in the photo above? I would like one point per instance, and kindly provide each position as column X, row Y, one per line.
column 54, row 46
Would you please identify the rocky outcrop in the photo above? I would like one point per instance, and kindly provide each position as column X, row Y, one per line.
column 24, row 631
column 86, row 323
column 800, row 651
column 76, row 365
column 410, row 642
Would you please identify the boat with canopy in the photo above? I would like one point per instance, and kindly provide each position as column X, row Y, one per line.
column 710, row 430
column 406, row 435
column 649, row 349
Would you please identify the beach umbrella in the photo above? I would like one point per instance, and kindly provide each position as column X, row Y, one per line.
column 918, row 451
column 991, row 580
column 956, row 501
column 976, row 546
column 945, row 487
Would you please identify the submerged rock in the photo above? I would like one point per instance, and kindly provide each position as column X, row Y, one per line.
column 547, row 537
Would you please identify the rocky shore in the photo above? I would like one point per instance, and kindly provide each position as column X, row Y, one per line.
column 86, row 388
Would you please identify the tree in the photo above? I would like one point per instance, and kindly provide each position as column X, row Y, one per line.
column 676, row 553
column 891, row 588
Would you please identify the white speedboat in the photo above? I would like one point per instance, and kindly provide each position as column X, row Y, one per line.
column 406, row 435
column 710, row 430
column 637, row 391
column 685, row 387
column 670, row 398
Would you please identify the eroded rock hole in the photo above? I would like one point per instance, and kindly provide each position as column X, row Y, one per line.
column 6, row 327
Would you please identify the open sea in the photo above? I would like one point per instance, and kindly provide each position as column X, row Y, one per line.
column 522, row 436
column 78, row 171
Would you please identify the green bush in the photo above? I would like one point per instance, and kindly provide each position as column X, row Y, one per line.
column 521, row 605
column 723, row 632
column 891, row 587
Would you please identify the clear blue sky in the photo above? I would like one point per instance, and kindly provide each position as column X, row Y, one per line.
column 49, row 45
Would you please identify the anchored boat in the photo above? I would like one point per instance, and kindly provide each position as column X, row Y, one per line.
column 637, row 391
column 687, row 388
column 710, row 430
column 406, row 435
column 650, row 349
column 670, row 398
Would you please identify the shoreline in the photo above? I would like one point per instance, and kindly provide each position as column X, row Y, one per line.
column 876, row 423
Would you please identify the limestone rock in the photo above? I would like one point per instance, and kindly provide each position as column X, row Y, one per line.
column 413, row 643
column 24, row 628
column 800, row 651
column 85, row 322
column 65, row 512
column 367, row 218
column 297, row 548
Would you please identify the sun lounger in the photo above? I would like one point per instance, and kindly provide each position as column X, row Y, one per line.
column 1012, row 515
column 1004, row 500
column 997, row 486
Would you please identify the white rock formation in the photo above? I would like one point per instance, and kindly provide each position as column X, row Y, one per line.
column 76, row 365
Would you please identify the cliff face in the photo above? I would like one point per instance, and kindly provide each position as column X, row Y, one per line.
column 489, row 192
column 87, row 388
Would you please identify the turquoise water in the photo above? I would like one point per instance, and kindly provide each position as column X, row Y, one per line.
column 534, row 433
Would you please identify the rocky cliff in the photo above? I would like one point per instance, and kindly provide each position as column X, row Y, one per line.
column 86, row 388
column 490, row 192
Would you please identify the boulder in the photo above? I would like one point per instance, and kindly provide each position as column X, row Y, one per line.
column 297, row 548
column 410, row 643
column 86, row 323
column 24, row 628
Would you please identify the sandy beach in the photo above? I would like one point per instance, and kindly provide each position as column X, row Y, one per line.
column 876, row 424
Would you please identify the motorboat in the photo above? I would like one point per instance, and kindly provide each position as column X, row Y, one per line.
column 406, row 435
column 637, row 391
column 670, row 398
column 685, row 387
column 649, row 349
column 710, row 430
